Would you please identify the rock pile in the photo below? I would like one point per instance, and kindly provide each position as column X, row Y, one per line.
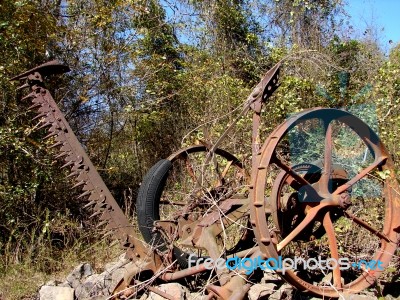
column 83, row 284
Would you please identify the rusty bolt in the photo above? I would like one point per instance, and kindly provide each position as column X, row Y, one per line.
column 345, row 200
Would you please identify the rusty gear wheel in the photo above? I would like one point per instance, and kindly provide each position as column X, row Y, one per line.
column 340, row 220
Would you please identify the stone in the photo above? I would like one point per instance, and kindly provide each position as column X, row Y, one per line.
column 114, row 272
column 56, row 293
column 57, row 283
column 261, row 291
column 176, row 290
column 285, row 291
column 196, row 296
column 115, row 278
column 94, row 285
column 271, row 276
column 82, row 271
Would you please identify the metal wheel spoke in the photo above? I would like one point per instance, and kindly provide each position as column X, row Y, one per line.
column 368, row 227
column 292, row 174
column 311, row 214
column 330, row 231
column 324, row 181
column 378, row 161
column 304, row 185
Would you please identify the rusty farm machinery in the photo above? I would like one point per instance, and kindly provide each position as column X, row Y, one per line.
column 201, row 204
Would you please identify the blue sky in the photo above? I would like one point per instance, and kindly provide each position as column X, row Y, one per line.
column 384, row 15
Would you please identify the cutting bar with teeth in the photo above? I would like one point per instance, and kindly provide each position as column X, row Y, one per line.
column 86, row 176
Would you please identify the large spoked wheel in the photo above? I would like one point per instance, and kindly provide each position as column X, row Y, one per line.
column 337, row 218
column 178, row 192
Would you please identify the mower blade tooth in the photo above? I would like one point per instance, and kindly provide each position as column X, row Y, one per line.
column 78, row 184
column 50, row 135
column 44, row 125
column 41, row 115
column 55, row 145
column 101, row 205
column 91, row 203
column 102, row 223
column 29, row 96
column 73, row 174
column 84, row 194
column 34, row 106
column 107, row 234
column 67, row 164
column 24, row 86
column 95, row 214
column 61, row 155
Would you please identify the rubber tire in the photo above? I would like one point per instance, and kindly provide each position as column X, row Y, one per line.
column 147, row 205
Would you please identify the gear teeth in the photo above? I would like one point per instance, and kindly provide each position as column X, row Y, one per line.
column 78, row 184
column 84, row 194
column 95, row 214
column 67, row 164
column 89, row 204
column 55, row 145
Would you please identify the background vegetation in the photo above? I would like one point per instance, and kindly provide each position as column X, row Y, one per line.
column 148, row 77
